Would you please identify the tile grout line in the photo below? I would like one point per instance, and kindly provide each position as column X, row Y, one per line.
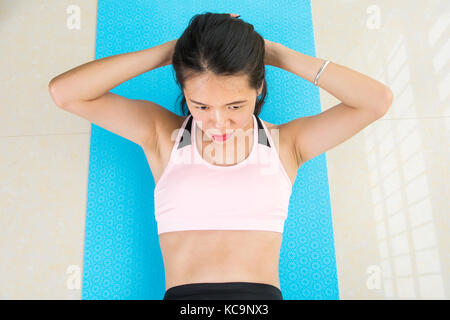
column 42, row 135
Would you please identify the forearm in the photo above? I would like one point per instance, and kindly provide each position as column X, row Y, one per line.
column 95, row 78
column 351, row 87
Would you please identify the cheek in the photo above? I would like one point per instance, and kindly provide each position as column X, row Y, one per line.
column 247, row 122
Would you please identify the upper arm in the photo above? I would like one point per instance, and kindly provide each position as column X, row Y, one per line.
column 135, row 120
column 314, row 135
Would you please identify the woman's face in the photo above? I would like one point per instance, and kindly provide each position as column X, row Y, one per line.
column 221, row 105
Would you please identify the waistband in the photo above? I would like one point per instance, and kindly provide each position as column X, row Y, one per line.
column 224, row 291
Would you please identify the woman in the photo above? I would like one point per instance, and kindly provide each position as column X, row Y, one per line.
column 223, row 181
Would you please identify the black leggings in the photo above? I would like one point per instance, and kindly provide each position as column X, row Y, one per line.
column 224, row 291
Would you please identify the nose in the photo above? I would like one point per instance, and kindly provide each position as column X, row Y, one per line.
column 221, row 124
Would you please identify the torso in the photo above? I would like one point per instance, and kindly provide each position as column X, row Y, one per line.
column 218, row 255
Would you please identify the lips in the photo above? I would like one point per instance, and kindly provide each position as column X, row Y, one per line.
column 221, row 137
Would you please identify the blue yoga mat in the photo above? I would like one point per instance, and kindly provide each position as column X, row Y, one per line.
column 122, row 257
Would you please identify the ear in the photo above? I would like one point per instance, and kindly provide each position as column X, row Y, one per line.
column 260, row 89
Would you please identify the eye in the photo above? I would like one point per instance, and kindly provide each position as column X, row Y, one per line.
column 235, row 107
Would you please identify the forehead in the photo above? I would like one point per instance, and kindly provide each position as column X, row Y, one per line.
column 208, row 84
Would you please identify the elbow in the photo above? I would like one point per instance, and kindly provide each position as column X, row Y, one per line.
column 52, row 90
column 387, row 99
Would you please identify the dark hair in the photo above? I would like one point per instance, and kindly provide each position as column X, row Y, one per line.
column 224, row 46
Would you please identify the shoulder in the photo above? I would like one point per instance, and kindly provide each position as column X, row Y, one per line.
column 269, row 125
column 283, row 139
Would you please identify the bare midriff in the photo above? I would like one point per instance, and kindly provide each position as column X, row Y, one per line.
column 220, row 256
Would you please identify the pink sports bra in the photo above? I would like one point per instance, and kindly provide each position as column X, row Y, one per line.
column 193, row 194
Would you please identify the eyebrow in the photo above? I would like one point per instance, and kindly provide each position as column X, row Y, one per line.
column 234, row 102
